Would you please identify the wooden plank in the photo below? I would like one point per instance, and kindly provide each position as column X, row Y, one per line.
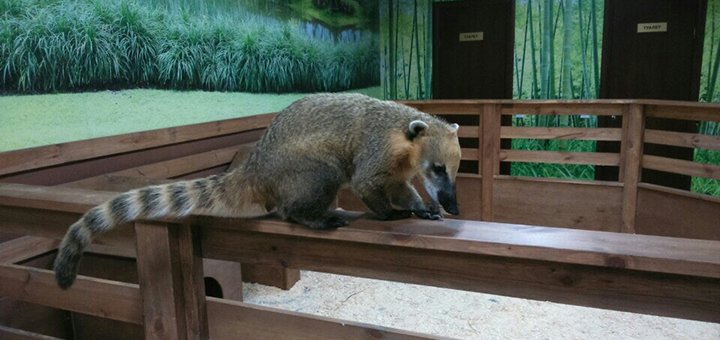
column 270, row 275
column 170, row 168
column 9, row 333
column 115, row 183
column 33, row 158
column 25, row 247
column 490, row 162
column 682, row 139
column 560, row 157
column 562, row 108
column 468, row 131
column 455, row 107
column 606, row 134
column 677, row 213
column 630, row 169
column 110, row 299
column 685, row 111
column 171, row 282
column 586, row 205
column 469, row 154
column 681, row 166
column 610, row 284
column 236, row 320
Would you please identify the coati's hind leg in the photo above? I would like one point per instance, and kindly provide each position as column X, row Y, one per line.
column 308, row 197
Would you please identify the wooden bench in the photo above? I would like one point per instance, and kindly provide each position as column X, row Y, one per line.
column 637, row 273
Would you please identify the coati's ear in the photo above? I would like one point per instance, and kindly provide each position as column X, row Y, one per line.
column 454, row 127
column 416, row 128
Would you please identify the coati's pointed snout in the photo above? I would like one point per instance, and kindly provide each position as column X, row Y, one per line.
column 448, row 199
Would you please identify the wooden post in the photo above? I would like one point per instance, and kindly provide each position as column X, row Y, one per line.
column 489, row 162
column 171, row 281
column 631, row 152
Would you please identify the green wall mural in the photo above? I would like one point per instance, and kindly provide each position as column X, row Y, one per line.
column 558, row 49
column 243, row 45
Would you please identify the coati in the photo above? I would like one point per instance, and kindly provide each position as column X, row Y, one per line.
column 310, row 150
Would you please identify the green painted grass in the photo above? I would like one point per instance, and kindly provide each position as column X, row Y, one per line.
column 35, row 120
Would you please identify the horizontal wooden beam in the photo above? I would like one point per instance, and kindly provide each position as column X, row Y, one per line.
column 389, row 256
column 682, row 139
column 237, row 320
column 698, row 111
column 227, row 319
column 170, row 168
column 33, row 158
column 104, row 298
column 8, row 333
column 679, row 166
column 562, row 108
column 605, row 134
column 560, row 157
column 25, row 247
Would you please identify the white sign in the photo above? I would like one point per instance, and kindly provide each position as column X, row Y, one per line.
column 652, row 27
column 471, row 36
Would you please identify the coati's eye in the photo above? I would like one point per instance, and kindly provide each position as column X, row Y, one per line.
column 438, row 169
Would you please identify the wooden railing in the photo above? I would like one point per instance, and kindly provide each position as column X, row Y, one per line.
column 626, row 269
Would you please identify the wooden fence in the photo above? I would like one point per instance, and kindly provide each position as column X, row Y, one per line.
column 149, row 277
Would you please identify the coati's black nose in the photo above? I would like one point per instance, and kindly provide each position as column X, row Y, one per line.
column 448, row 201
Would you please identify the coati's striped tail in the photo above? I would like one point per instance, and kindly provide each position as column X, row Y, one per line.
column 168, row 200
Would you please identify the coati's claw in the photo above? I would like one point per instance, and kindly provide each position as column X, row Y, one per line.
column 428, row 215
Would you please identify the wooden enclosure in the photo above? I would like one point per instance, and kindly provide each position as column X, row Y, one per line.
column 623, row 245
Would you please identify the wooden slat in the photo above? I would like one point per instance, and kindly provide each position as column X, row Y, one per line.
column 25, row 247
column 686, row 111
column 586, row 205
column 26, row 159
column 7, row 333
column 631, row 155
column 236, row 320
column 228, row 319
column 562, row 108
column 605, row 134
column 681, row 166
column 677, row 213
column 171, row 282
column 170, row 168
column 110, row 299
column 468, row 131
column 455, row 107
column 489, row 157
column 399, row 252
column 469, row 154
column 682, row 139
column 560, row 157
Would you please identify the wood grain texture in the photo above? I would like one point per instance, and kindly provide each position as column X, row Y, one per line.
column 404, row 255
column 110, row 299
column 171, row 282
column 677, row 213
column 571, row 204
column 607, row 134
column 8, row 333
column 25, row 247
column 679, row 166
column 682, row 139
column 560, row 157
column 490, row 161
column 631, row 153
column 235, row 320
column 33, row 158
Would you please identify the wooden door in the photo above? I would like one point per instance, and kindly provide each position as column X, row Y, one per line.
column 652, row 49
column 473, row 49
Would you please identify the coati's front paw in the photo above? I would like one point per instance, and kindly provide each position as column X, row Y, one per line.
column 428, row 214
column 329, row 223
